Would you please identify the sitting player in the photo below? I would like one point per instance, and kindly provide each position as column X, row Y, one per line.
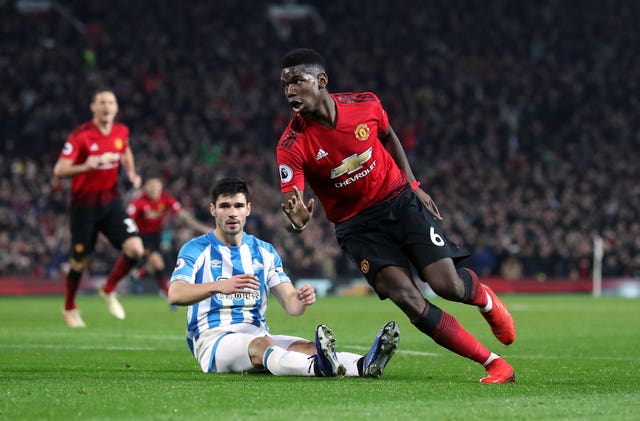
column 225, row 277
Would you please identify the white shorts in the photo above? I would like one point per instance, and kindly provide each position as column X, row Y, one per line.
column 226, row 349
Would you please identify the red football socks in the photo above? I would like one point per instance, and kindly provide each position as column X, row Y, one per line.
column 451, row 335
column 122, row 267
column 163, row 284
column 72, row 283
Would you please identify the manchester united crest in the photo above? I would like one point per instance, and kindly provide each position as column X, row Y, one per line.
column 364, row 266
column 118, row 143
column 362, row 132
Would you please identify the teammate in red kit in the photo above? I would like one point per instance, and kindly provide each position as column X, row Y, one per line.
column 150, row 210
column 343, row 146
column 92, row 156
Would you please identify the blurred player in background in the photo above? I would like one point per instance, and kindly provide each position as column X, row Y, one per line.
column 343, row 146
column 92, row 156
column 150, row 210
column 225, row 277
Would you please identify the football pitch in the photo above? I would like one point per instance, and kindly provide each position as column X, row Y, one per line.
column 575, row 357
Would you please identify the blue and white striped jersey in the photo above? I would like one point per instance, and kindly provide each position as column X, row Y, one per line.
column 206, row 259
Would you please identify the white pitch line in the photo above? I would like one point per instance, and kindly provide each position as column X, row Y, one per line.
column 86, row 334
column 79, row 347
column 347, row 346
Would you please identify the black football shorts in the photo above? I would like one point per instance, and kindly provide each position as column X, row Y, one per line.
column 151, row 241
column 399, row 232
column 110, row 219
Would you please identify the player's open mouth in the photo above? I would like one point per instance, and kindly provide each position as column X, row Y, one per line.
column 296, row 105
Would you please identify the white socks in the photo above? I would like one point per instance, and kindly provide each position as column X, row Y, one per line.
column 281, row 362
column 350, row 362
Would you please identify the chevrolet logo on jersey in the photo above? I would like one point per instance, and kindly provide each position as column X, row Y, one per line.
column 109, row 157
column 352, row 163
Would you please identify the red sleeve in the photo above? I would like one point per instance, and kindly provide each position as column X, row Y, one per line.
column 290, row 160
column 72, row 147
column 291, row 170
column 172, row 203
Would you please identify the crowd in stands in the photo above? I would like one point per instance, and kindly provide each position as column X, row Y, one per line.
column 521, row 119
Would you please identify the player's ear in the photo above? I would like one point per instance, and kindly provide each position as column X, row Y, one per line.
column 323, row 80
column 248, row 208
column 212, row 209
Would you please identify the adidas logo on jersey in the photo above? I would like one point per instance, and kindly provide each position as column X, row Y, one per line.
column 321, row 154
column 257, row 265
column 94, row 147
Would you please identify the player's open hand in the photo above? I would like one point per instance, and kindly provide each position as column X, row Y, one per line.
column 306, row 294
column 239, row 283
column 428, row 202
column 296, row 210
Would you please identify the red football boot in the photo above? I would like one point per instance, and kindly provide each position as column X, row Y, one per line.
column 499, row 372
column 499, row 319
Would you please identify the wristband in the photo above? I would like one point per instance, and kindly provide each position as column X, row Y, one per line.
column 414, row 185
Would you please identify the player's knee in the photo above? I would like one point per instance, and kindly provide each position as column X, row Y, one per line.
column 448, row 288
column 133, row 248
column 444, row 281
column 398, row 286
column 257, row 348
column 304, row 347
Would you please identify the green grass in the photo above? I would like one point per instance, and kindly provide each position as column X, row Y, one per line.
column 575, row 357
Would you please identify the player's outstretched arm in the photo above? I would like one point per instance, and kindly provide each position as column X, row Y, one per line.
column 192, row 222
column 294, row 302
column 66, row 168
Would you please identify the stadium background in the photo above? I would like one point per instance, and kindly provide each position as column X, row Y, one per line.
column 520, row 118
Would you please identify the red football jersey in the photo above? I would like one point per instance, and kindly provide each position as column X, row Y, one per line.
column 148, row 214
column 98, row 186
column 347, row 167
